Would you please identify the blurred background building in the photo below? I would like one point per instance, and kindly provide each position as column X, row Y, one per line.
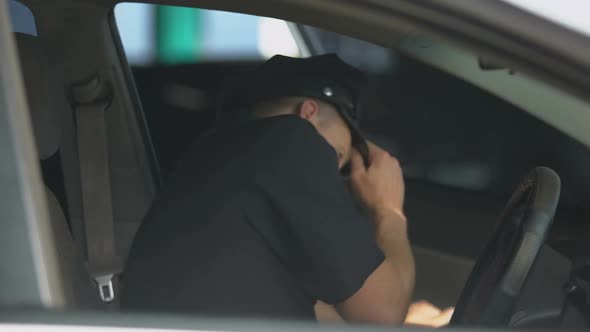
column 176, row 35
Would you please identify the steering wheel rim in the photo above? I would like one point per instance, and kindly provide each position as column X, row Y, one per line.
column 501, row 270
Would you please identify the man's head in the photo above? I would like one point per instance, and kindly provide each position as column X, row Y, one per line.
column 321, row 89
column 323, row 116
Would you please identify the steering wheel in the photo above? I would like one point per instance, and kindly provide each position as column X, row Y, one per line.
column 501, row 271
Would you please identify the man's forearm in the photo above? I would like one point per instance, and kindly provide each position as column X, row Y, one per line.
column 392, row 238
column 386, row 294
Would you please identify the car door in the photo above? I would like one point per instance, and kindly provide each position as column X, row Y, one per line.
column 26, row 235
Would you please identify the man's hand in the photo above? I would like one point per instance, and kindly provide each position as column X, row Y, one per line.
column 381, row 186
column 420, row 314
column 424, row 313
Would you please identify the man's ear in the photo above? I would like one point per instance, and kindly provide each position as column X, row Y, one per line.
column 308, row 110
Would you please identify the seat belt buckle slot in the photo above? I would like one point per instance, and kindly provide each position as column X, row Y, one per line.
column 105, row 287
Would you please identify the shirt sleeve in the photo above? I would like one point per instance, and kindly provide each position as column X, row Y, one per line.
column 324, row 238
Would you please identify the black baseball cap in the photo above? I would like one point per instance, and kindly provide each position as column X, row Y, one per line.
column 324, row 77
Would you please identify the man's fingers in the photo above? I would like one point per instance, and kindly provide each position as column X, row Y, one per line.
column 356, row 162
column 444, row 318
column 374, row 150
column 425, row 308
column 448, row 313
column 423, row 313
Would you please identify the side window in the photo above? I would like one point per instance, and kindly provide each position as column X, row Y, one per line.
column 445, row 130
column 449, row 132
column 170, row 35
column 363, row 55
column 22, row 18
column 180, row 57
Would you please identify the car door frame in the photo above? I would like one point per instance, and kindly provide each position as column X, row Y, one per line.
column 28, row 212
column 30, row 273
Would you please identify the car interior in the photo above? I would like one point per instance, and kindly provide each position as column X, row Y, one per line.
column 465, row 142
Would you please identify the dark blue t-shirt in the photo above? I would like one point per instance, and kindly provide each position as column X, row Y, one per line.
column 255, row 222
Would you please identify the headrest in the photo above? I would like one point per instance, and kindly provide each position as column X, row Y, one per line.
column 45, row 94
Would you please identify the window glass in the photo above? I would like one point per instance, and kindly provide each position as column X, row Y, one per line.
column 181, row 56
column 135, row 23
column 363, row 55
column 175, row 35
column 454, row 140
column 22, row 18
column 449, row 132
column 444, row 130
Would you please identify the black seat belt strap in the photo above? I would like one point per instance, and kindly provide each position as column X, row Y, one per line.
column 90, row 100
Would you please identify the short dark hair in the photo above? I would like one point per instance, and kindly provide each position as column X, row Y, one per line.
column 276, row 106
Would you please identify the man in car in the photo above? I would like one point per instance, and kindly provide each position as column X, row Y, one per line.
column 257, row 220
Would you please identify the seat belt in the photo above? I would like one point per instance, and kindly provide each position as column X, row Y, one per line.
column 90, row 100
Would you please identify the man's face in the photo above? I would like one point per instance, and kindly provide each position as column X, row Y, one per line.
column 328, row 122
column 337, row 133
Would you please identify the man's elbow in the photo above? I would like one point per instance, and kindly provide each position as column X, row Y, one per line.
column 384, row 297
